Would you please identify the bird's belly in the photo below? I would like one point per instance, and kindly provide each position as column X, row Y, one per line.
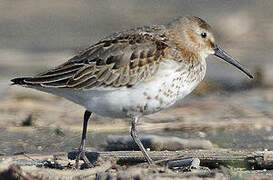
column 144, row 98
column 135, row 102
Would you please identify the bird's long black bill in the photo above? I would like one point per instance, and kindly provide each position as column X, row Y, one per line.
column 223, row 55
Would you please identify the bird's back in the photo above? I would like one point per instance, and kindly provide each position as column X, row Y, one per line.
column 122, row 59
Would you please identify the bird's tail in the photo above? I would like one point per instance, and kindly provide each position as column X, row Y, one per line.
column 20, row 81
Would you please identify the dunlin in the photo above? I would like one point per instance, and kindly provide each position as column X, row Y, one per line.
column 134, row 73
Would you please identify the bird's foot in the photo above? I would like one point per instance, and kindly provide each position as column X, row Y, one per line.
column 81, row 155
column 150, row 161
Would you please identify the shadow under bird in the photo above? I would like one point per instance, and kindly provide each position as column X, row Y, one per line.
column 134, row 73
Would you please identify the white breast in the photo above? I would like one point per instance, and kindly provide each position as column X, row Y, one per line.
column 173, row 81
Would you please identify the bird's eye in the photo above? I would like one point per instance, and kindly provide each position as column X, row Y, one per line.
column 203, row 35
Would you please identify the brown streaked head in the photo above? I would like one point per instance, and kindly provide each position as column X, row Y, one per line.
column 195, row 37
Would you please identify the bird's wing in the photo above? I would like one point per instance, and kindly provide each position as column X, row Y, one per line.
column 119, row 60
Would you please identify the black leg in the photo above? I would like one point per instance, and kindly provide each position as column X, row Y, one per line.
column 138, row 142
column 81, row 153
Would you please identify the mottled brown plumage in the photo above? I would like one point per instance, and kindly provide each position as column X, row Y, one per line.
column 122, row 59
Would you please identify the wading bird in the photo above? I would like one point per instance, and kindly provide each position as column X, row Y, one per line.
column 134, row 73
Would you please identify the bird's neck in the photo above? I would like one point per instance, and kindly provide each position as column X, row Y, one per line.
column 184, row 51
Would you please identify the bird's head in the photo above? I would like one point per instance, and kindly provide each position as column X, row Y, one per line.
column 195, row 37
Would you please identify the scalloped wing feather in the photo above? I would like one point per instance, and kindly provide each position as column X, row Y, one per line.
column 121, row 60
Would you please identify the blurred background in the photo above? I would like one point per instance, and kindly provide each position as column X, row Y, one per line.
column 227, row 109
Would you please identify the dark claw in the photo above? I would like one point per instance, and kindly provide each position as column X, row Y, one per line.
column 81, row 155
